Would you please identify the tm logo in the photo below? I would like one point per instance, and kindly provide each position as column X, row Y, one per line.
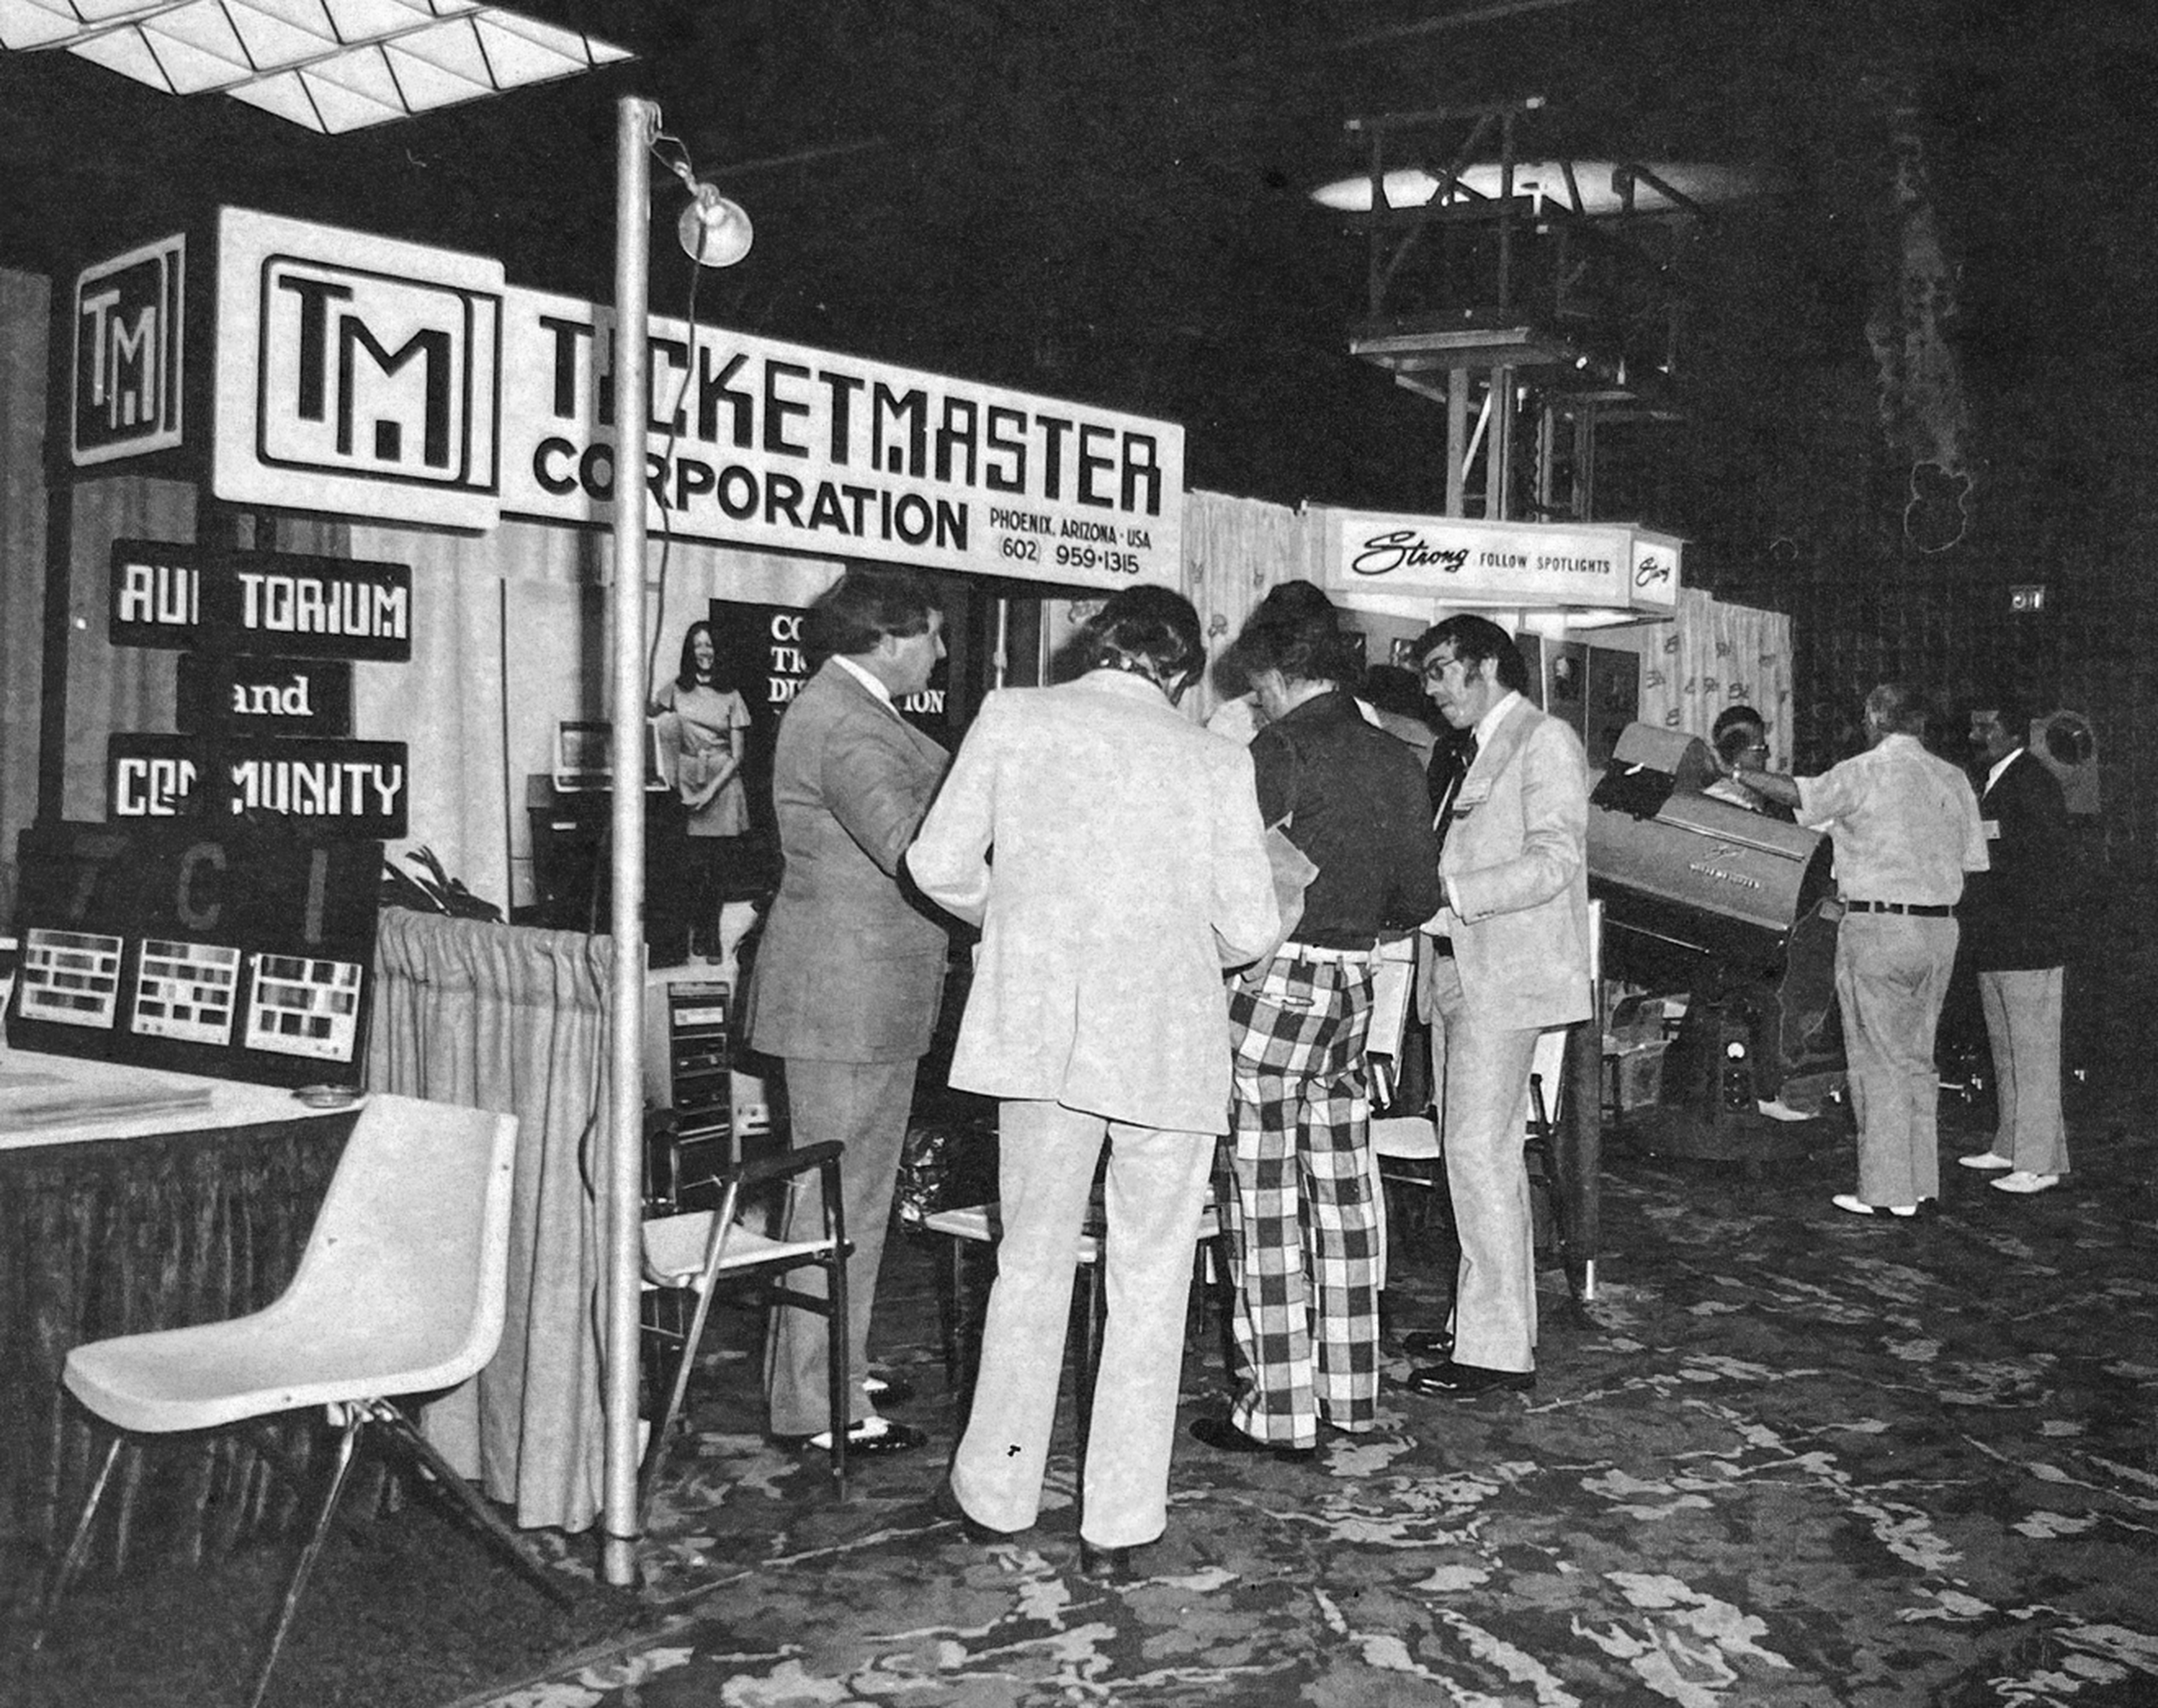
column 368, row 373
column 127, row 315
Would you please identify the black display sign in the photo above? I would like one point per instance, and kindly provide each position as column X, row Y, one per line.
column 239, row 951
column 342, row 789
column 220, row 696
column 128, row 340
column 257, row 603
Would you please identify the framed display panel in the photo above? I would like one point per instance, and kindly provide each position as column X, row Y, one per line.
column 1566, row 683
column 1614, row 699
column 244, row 951
column 1531, row 649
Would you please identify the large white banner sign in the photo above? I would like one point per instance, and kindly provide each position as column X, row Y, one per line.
column 373, row 378
column 355, row 373
column 775, row 445
column 1503, row 565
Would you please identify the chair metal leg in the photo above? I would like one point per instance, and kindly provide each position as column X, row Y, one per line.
column 274, row 1454
column 1093, row 1312
column 662, row 1427
column 965, row 1357
column 1222, row 1300
column 402, row 1430
column 354, row 1421
column 838, row 1375
column 70, row 1562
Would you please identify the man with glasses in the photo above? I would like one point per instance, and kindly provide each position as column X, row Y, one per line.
column 1740, row 736
column 1505, row 957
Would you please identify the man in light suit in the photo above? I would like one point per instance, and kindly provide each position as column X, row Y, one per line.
column 850, row 971
column 1129, row 868
column 2014, row 937
column 1506, row 956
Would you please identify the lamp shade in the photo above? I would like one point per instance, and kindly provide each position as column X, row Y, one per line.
column 714, row 231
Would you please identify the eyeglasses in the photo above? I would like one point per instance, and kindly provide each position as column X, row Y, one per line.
column 1435, row 667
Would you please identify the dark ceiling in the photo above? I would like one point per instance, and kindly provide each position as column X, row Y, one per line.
column 1107, row 199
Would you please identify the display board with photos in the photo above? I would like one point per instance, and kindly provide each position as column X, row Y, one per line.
column 244, row 951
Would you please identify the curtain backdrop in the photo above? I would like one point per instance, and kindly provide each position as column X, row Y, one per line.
column 1713, row 656
column 24, row 303
column 510, row 636
column 515, row 1021
column 1234, row 550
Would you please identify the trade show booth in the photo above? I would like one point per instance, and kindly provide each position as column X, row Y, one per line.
column 326, row 549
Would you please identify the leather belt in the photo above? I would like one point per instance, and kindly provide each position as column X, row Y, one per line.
column 1312, row 952
column 1923, row 910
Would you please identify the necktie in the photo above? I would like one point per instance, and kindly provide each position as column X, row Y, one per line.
column 1464, row 757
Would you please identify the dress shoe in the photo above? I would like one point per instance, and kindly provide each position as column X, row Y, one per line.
column 1987, row 1160
column 1465, row 1381
column 2024, row 1180
column 1112, row 1565
column 885, row 1391
column 1429, row 1342
column 946, row 1503
column 1224, row 1436
column 1858, row 1206
column 873, row 1438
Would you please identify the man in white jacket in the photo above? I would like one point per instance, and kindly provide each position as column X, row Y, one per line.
column 1112, row 855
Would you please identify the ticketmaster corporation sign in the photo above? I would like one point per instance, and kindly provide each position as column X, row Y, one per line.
column 359, row 376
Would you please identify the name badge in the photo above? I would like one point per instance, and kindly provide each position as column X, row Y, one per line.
column 1992, row 828
column 1471, row 795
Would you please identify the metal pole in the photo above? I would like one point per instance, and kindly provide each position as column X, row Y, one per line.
column 637, row 124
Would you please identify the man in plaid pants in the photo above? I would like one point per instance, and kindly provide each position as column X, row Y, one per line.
column 1302, row 1224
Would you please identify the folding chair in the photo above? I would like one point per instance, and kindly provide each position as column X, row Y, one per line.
column 399, row 1291
column 700, row 1253
column 1558, row 1094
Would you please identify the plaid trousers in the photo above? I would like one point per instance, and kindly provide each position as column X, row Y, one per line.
column 1303, row 1229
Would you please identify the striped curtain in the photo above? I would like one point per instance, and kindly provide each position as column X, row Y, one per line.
column 1234, row 550
column 1713, row 656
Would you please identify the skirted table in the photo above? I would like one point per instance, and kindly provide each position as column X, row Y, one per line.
column 193, row 1212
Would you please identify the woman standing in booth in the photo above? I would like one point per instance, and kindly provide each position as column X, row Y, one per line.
column 703, row 726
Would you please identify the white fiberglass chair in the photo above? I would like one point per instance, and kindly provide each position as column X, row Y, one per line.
column 399, row 1291
column 700, row 1253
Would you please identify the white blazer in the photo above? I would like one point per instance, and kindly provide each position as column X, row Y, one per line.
column 1112, row 855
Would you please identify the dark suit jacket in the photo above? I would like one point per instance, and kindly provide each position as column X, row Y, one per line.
column 1356, row 803
column 849, row 969
column 2016, row 915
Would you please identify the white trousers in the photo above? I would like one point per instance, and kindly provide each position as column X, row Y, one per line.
column 2023, row 1025
column 1156, row 1191
column 1480, row 1073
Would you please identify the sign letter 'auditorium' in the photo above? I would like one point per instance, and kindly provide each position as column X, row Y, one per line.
column 365, row 377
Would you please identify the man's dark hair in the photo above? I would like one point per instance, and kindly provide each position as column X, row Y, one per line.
column 1478, row 640
column 865, row 606
column 1735, row 730
column 1300, row 634
column 2011, row 710
column 1149, row 630
column 1391, row 689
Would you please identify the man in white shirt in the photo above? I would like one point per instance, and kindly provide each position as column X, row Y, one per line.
column 1906, row 828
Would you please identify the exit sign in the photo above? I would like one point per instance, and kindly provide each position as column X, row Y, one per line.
column 2031, row 597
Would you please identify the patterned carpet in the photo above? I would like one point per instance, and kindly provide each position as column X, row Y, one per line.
column 1786, row 1457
